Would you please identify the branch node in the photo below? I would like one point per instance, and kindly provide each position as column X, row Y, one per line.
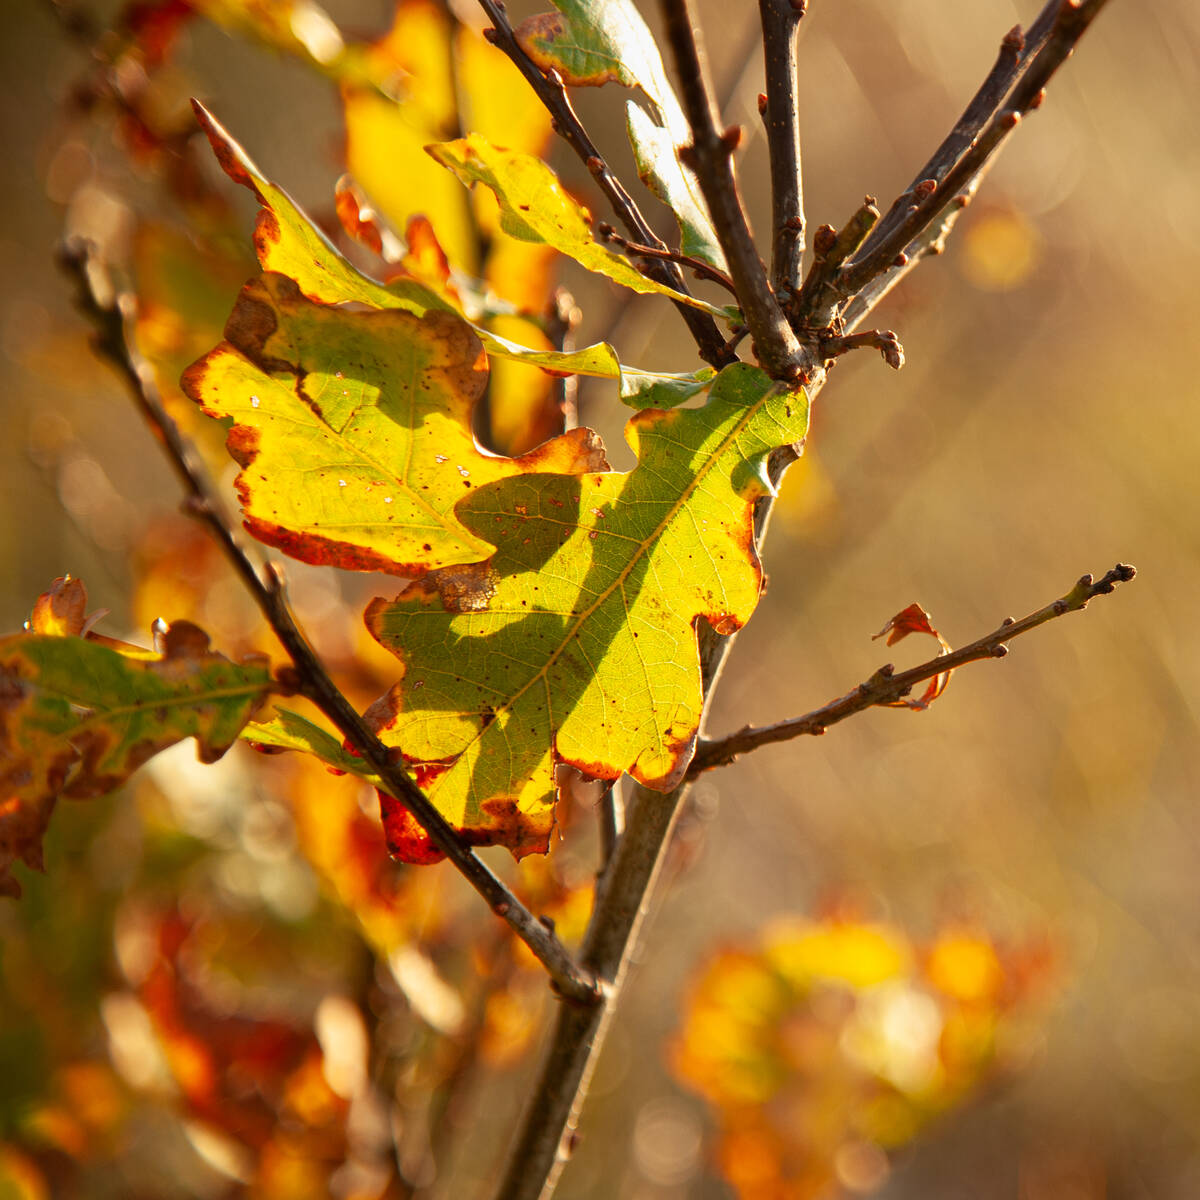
column 762, row 104
column 595, row 164
column 731, row 139
column 1000, row 651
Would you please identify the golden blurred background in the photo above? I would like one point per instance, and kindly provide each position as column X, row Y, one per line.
column 1046, row 424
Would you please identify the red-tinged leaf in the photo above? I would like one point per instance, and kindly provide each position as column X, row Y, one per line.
column 914, row 619
column 353, row 430
column 78, row 715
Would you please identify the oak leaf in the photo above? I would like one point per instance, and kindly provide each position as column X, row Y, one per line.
column 576, row 642
column 535, row 207
column 353, row 430
column 593, row 42
column 914, row 619
column 288, row 243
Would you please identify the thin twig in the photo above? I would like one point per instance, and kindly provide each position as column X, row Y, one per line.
column 779, row 107
column 549, row 88
column 710, row 158
column 930, row 241
column 883, row 340
column 698, row 267
column 931, row 195
column 885, row 687
column 814, row 305
column 112, row 313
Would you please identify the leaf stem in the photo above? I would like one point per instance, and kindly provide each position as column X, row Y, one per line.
column 112, row 312
column 885, row 687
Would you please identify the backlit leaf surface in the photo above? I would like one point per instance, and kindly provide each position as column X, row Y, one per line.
column 78, row 715
column 593, row 42
column 353, row 429
column 287, row 242
column 535, row 207
column 576, row 642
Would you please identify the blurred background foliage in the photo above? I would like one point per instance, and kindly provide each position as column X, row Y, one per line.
column 955, row 953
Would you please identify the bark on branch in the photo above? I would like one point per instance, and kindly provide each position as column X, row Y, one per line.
column 885, row 687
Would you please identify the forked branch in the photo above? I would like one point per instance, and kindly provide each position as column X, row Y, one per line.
column 984, row 127
column 111, row 312
column 549, row 89
column 886, row 687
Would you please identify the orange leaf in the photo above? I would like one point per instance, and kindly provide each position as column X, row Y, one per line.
column 914, row 619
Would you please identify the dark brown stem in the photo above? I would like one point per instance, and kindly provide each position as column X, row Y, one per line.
column 780, row 112
column 710, row 158
column 885, row 687
column 883, row 340
column 549, row 89
column 112, row 313
column 700, row 268
column 923, row 204
column 815, row 305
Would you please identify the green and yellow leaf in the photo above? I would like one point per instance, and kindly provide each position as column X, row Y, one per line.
column 535, row 207
column 353, row 430
column 288, row 243
column 593, row 42
column 576, row 642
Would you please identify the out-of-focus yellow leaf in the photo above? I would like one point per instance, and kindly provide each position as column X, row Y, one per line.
column 386, row 140
column 964, row 965
column 859, row 955
column 1001, row 248
column 20, row 1178
column 836, row 1041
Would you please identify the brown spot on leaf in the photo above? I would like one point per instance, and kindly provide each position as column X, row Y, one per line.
column 463, row 589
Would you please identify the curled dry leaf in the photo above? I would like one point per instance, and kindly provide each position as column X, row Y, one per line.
column 79, row 714
column 914, row 619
